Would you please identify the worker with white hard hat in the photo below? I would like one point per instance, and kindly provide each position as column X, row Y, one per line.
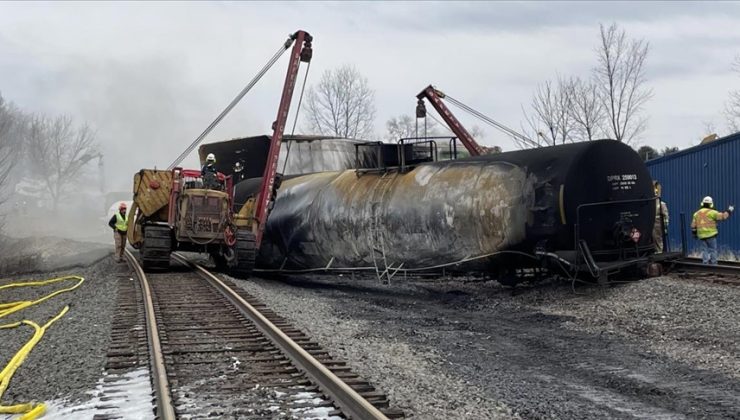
column 704, row 228
column 209, row 173
column 119, row 224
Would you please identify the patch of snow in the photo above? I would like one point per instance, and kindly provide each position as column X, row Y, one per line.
column 129, row 397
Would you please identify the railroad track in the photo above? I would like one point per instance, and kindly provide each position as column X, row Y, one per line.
column 727, row 272
column 215, row 351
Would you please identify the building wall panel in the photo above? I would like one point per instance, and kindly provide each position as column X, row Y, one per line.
column 687, row 176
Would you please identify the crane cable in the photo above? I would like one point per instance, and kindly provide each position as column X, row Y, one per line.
column 297, row 113
column 287, row 44
column 518, row 137
column 30, row 410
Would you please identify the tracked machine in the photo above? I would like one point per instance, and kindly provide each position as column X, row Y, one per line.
column 177, row 209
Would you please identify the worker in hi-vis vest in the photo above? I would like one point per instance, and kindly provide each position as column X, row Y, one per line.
column 704, row 228
column 119, row 224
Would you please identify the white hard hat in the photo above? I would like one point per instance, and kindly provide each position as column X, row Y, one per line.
column 707, row 200
column 211, row 157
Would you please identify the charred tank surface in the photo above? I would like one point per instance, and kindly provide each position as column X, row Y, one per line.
column 488, row 211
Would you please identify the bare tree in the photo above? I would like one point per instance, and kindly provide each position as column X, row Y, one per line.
column 620, row 76
column 551, row 118
column 342, row 104
column 405, row 126
column 732, row 107
column 8, row 151
column 587, row 110
column 59, row 152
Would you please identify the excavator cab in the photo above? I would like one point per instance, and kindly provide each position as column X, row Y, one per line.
column 202, row 207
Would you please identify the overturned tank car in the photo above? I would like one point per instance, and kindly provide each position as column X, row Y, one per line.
column 584, row 207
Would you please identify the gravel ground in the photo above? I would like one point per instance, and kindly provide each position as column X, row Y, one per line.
column 694, row 322
column 69, row 359
column 659, row 348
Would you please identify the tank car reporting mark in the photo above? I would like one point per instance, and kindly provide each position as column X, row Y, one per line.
column 622, row 182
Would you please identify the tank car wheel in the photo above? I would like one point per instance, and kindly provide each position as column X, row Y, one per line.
column 246, row 253
column 156, row 247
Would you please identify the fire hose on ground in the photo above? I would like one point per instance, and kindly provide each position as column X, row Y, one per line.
column 31, row 410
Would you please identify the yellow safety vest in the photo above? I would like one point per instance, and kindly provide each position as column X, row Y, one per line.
column 705, row 222
column 121, row 222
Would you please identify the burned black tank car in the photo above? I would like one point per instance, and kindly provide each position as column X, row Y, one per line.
column 580, row 207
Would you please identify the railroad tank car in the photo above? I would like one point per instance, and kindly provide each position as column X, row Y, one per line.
column 589, row 202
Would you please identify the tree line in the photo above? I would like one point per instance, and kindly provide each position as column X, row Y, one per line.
column 342, row 104
column 50, row 150
column 608, row 102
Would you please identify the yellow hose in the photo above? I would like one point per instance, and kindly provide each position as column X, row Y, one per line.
column 29, row 411
column 9, row 308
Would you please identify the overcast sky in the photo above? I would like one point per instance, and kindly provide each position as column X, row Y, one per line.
column 151, row 76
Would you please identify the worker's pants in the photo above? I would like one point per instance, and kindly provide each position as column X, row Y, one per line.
column 709, row 251
column 658, row 237
column 120, row 239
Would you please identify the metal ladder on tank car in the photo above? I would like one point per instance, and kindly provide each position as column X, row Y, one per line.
column 375, row 239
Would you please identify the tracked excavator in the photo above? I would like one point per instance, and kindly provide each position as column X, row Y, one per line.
column 177, row 209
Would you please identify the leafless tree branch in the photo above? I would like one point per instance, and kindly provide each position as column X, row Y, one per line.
column 342, row 105
column 59, row 151
column 551, row 121
column 620, row 77
column 10, row 146
column 405, row 126
column 587, row 110
column 732, row 106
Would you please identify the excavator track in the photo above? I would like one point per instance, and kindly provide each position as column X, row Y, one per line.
column 246, row 253
column 156, row 248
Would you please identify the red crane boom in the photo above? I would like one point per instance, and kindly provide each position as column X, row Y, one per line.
column 301, row 52
column 435, row 98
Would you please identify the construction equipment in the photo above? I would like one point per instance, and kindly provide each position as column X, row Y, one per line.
column 175, row 209
column 435, row 96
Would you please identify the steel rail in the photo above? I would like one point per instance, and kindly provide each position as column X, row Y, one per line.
column 165, row 409
column 352, row 404
column 695, row 264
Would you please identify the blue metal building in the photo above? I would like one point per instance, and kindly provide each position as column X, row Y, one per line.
column 687, row 176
